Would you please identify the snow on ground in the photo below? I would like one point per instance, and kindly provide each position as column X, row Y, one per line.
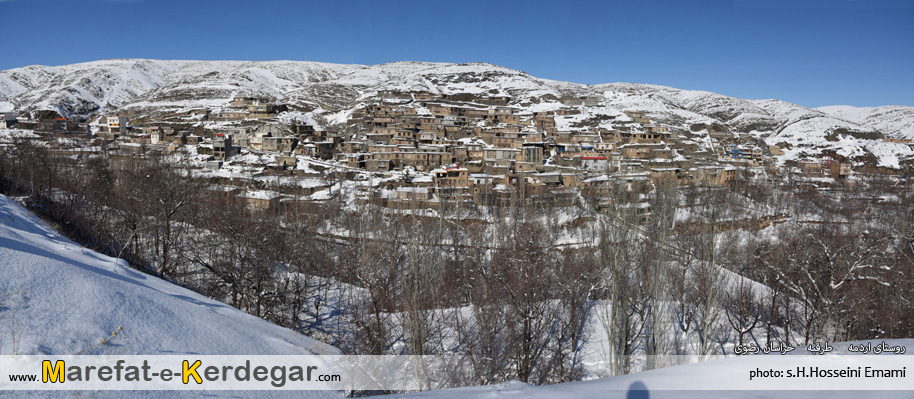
column 299, row 117
column 67, row 298
column 57, row 297
column 669, row 382
column 894, row 121
column 7, row 135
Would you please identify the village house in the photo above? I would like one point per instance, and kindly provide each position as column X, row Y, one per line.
column 638, row 117
column 355, row 160
column 834, row 167
column 482, row 181
column 114, row 124
column 8, row 119
column 413, row 198
column 283, row 144
column 721, row 135
column 355, row 146
column 213, row 164
column 243, row 102
column 584, row 138
column 155, row 134
column 640, row 151
column 285, row 161
column 713, row 175
column 379, row 138
column 232, row 115
column 474, row 149
column 615, row 161
column 809, row 167
column 394, row 94
column 563, row 136
column 646, row 137
column 460, row 153
column 901, row 141
column 378, row 165
column 492, row 100
column 638, row 212
column 260, row 110
column 320, row 149
column 455, row 177
column 262, row 200
column 580, row 100
column 752, row 156
column 501, row 155
column 241, row 136
column 568, row 149
column 545, row 123
column 659, row 175
column 423, row 160
column 383, row 130
column 177, row 138
column 567, row 111
column 635, row 182
column 604, row 148
column 595, row 163
column 425, row 96
column 524, row 168
column 222, row 146
column 500, row 139
column 139, row 138
column 532, row 154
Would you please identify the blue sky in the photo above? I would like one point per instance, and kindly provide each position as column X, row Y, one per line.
column 810, row 52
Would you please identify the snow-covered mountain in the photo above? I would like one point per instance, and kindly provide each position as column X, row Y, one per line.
column 155, row 86
column 57, row 297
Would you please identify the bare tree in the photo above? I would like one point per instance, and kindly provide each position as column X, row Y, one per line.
column 742, row 309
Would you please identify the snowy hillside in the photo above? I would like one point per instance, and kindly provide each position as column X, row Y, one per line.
column 155, row 87
column 82, row 88
column 895, row 120
column 59, row 298
column 103, row 86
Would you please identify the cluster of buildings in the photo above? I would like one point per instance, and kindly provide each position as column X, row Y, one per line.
column 432, row 148
column 479, row 149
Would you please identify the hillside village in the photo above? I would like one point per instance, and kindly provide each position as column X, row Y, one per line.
column 434, row 200
column 349, row 199
column 416, row 149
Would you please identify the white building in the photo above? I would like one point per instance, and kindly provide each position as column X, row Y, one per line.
column 595, row 164
column 115, row 123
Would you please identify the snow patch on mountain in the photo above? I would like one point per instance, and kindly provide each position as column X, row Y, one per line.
column 895, row 121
